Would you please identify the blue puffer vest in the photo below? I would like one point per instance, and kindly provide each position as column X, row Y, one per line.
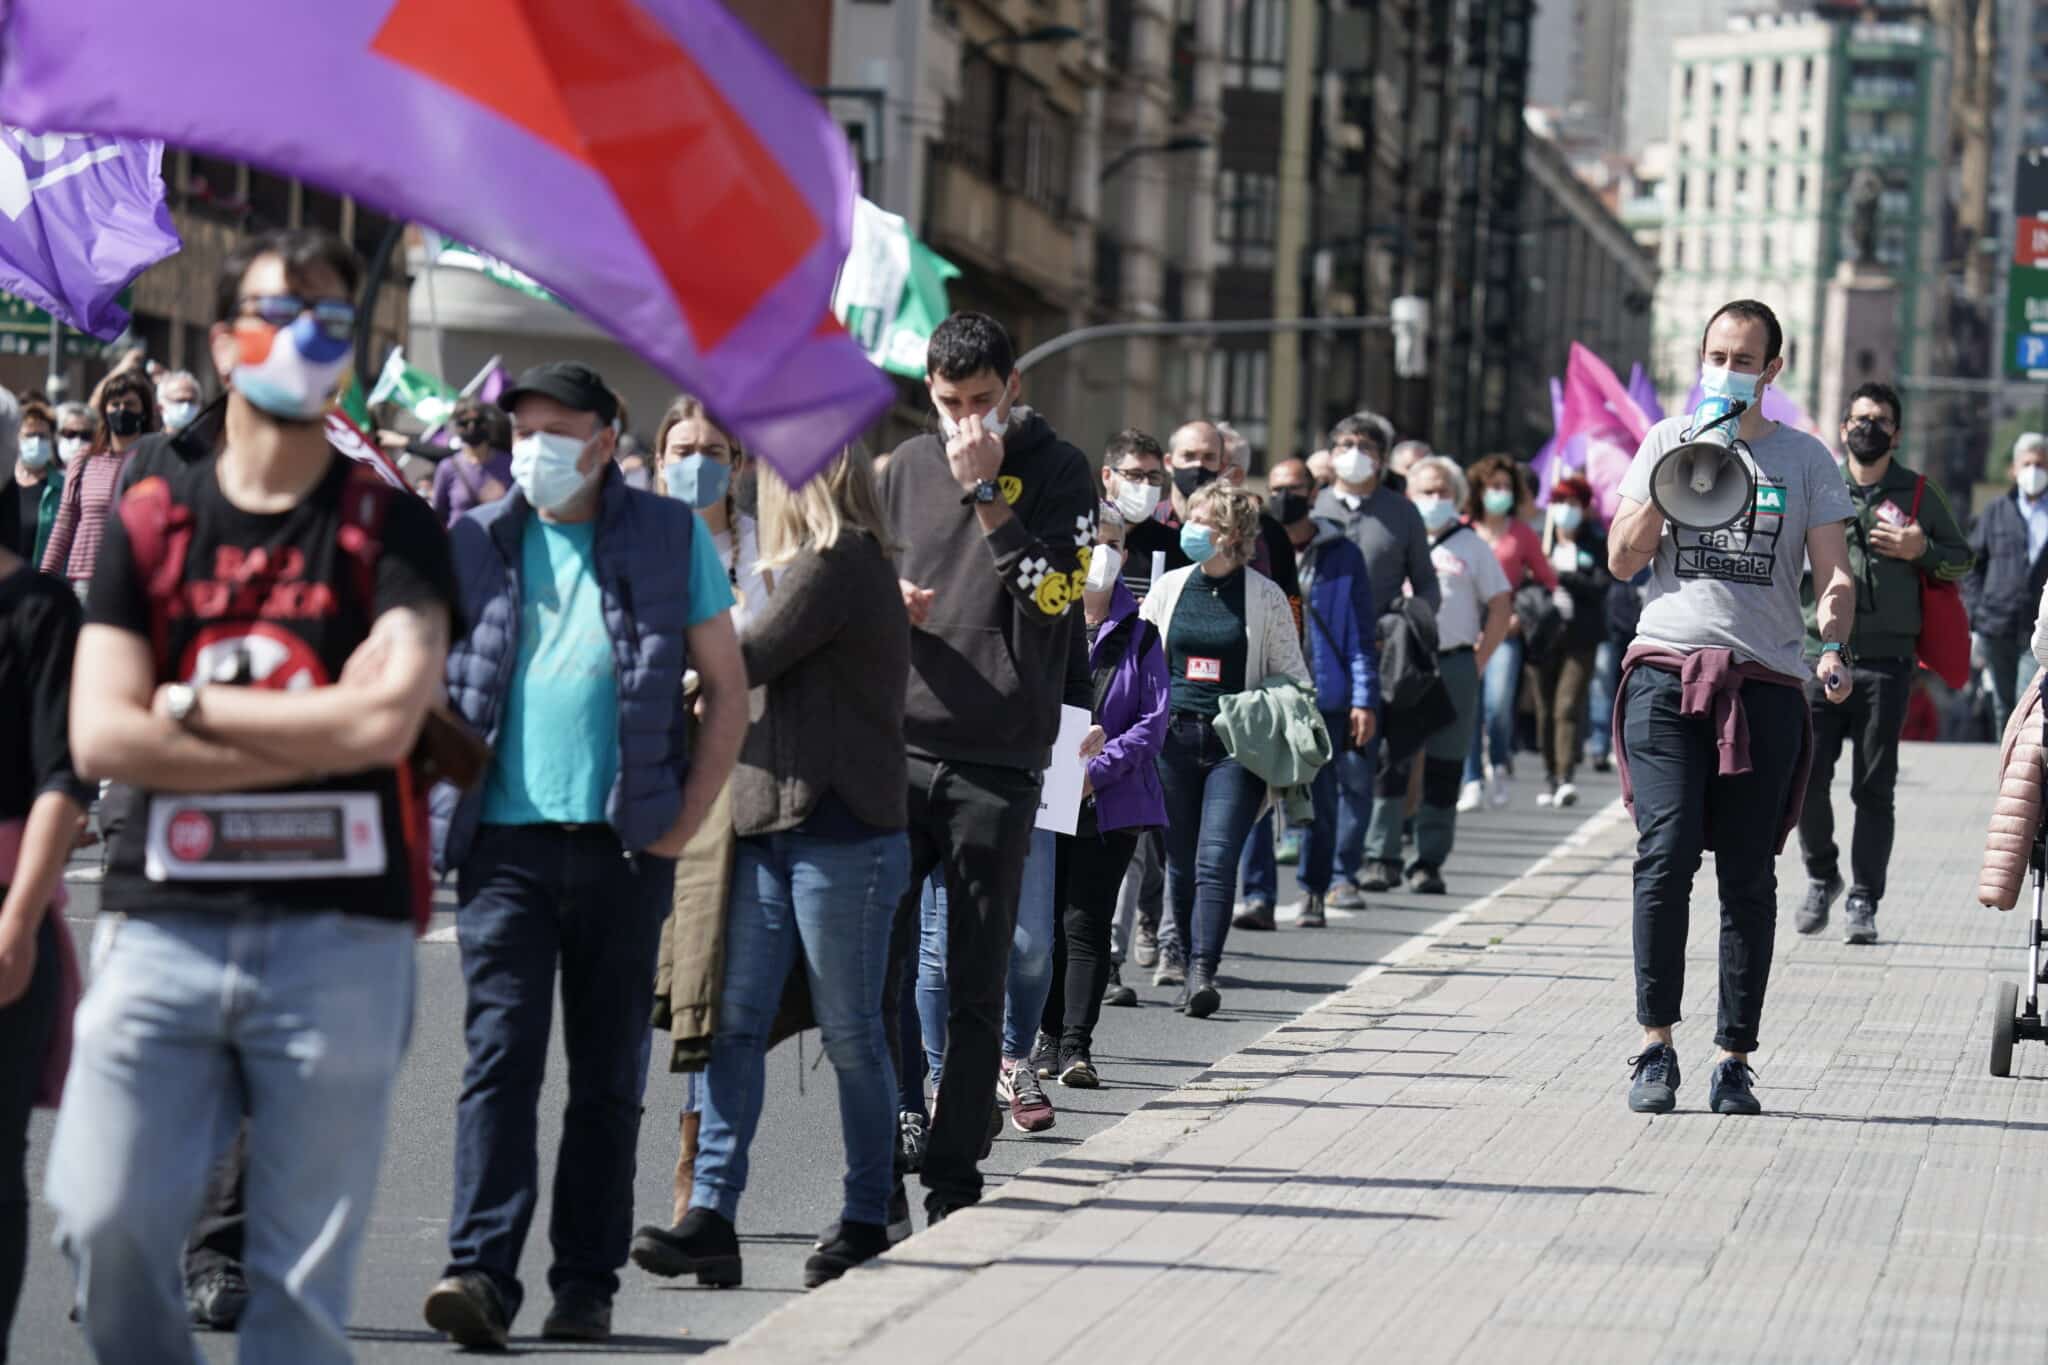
column 642, row 540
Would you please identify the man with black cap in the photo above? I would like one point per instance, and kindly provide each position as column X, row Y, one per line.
column 589, row 599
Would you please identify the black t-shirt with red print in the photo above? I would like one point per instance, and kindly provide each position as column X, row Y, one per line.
column 269, row 600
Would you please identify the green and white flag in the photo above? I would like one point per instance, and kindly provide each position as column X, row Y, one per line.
column 446, row 251
column 418, row 392
column 892, row 291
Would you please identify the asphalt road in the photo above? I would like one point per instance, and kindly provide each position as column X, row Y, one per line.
column 1143, row 1054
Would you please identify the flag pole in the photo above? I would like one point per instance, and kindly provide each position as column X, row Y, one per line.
column 465, row 391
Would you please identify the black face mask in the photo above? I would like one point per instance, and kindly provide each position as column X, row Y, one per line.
column 124, row 421
column 1868, row 441
column 473, row 433
column 1289, row 506
column 1192, row 479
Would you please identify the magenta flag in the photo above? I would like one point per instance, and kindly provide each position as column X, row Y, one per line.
column 647, row 161
column 1604, row 421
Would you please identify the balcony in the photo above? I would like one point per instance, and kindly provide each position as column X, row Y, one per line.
column 1000, row 231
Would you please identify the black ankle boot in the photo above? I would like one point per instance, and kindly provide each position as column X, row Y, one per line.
column 856, row 1242
column 703, row 1244
column 1202, row 996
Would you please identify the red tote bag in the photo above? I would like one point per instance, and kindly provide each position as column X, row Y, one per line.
column 1944, row 644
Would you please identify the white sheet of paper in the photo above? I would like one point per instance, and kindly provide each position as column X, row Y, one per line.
column 1059, row 800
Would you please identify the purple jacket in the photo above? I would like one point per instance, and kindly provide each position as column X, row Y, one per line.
column 1125, row 775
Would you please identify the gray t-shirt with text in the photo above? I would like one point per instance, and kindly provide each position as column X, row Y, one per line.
column 1738, row 588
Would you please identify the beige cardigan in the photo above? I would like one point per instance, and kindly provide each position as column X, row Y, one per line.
column 1272, row 639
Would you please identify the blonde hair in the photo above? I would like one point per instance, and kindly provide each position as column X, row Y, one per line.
column 1233, row 513
column 796, row 521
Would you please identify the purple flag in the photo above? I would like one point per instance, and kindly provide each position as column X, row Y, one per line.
column 81, row 216
column 1645, row 393
column 648, row 162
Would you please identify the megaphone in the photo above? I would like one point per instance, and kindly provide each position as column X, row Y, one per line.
column 1708, row 480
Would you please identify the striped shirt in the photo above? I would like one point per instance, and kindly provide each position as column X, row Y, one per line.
column 90, row 488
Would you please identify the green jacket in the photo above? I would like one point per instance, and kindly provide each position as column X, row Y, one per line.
column 1887, row 589
column 1277, row 733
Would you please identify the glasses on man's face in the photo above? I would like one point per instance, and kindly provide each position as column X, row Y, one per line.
column 1156, row 478
column 334, row 318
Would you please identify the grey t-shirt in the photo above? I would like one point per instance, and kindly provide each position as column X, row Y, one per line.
column 1738, row 588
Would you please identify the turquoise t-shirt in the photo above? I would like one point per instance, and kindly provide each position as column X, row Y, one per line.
column 552, row 767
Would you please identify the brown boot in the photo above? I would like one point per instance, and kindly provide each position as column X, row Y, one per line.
column 686, row 1164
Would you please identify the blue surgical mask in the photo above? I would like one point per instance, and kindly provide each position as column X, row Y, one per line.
column 1718, row 381
column 544, row 467
column 1197, row 542
column 178, row 416
column 1437, row 512
column 1498, row 501
column 698, row 480
column 35, row 451
column 1569, row 516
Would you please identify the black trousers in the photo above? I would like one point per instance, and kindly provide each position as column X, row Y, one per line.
column 25, row 1029
column 1087, row 875
column 1673, row 766
column 973, row 824
column 216, row 1242
column 1871, row 720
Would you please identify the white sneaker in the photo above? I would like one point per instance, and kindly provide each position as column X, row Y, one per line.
column 1567, row 794
column 1497, row 788
column 1471, row 797
column 1546, row 796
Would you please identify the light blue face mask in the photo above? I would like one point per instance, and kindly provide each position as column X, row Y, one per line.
column 544, row 466
column 1718, row 381
column 1198, row 543
column 1498, row 501
column 697, row 480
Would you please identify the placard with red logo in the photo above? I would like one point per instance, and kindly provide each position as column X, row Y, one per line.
column 264, row 837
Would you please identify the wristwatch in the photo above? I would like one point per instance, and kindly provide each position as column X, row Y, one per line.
column 1837, row 647
column 985, row 492
column 180, row 699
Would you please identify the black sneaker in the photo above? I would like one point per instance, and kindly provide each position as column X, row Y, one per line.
column 1117, row 993
column 1425, row 880
column 855, row 1242
column 1045, row 1056
column 578, row 1315
column 1729, row 1092
column 1256, row 915
column 216, row 1298
column 1203, row 997
column 938, row 1210
column 1310, row 916
column 899, row 1222
column 1820, row 896
column 1859, row 919
column 913, row 1135
column 1655, row 1090
column 1077, row 1072
column 703, row 1244
column 1374, row 876
column 469, row 1310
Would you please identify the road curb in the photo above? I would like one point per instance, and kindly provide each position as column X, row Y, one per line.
column 836, row 1320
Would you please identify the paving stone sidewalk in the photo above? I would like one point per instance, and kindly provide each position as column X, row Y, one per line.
column 1437, row 1164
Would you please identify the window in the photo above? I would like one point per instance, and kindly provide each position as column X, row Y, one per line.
column 1677, row 251
column 1777, row 78
column 970, row 121
column 1714, row 141
column 1741, row 184
column 1748, row 78
column 1706, row 252
column 1037, row 146
column 1710, row 191
column 1763, row 248
column 1806, row 77
column 1688, row 83
column 1799, row 192
column 1237, row 386
column 1255, row 48
column 1681, row 179
column 1770, row 188
column 1245, row 207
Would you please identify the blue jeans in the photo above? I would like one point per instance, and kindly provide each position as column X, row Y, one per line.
column 1211, row 801
column 830, row 904
column 1600, row 717
column 1355, row 771
column 535, row 897
column 1030, row 977
column 1494, row 736
column 1258, row 872
column 1321, row 840
column 305, row 1015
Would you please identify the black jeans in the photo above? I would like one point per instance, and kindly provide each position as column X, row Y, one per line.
column 1087, row 874
column 536, row 899
column 973, row 823
column 1672, row 763
column 24, row 1036
column 1871, row 720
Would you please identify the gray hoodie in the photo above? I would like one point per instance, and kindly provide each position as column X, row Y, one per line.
column 1389, row 532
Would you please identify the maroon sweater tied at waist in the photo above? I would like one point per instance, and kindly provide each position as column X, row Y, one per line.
column 1710, row 683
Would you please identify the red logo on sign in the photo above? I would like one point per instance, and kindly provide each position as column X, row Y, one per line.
column 191, row 836
column 2030, row 241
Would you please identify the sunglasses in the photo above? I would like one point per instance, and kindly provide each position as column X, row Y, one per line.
column 334, row 318
column 73, row 434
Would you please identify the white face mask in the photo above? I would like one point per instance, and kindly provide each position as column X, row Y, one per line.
column 70, row 448
column 1718, row 381
column 1354, row 465
column 178, row 416
column 2033, row 479
column 990, row 423
column 1135, row 500
column 544, row 466
column 35, row 451
column 1105, row 562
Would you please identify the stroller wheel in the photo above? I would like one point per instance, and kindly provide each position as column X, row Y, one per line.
column 2005, row 1004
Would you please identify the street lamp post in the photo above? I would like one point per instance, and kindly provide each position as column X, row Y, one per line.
column 1044, row 33
column 1130, row 154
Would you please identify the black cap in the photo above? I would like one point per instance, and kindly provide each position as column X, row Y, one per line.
column 568, row 383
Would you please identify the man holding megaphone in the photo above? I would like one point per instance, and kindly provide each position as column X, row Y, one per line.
column 1712, row 735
